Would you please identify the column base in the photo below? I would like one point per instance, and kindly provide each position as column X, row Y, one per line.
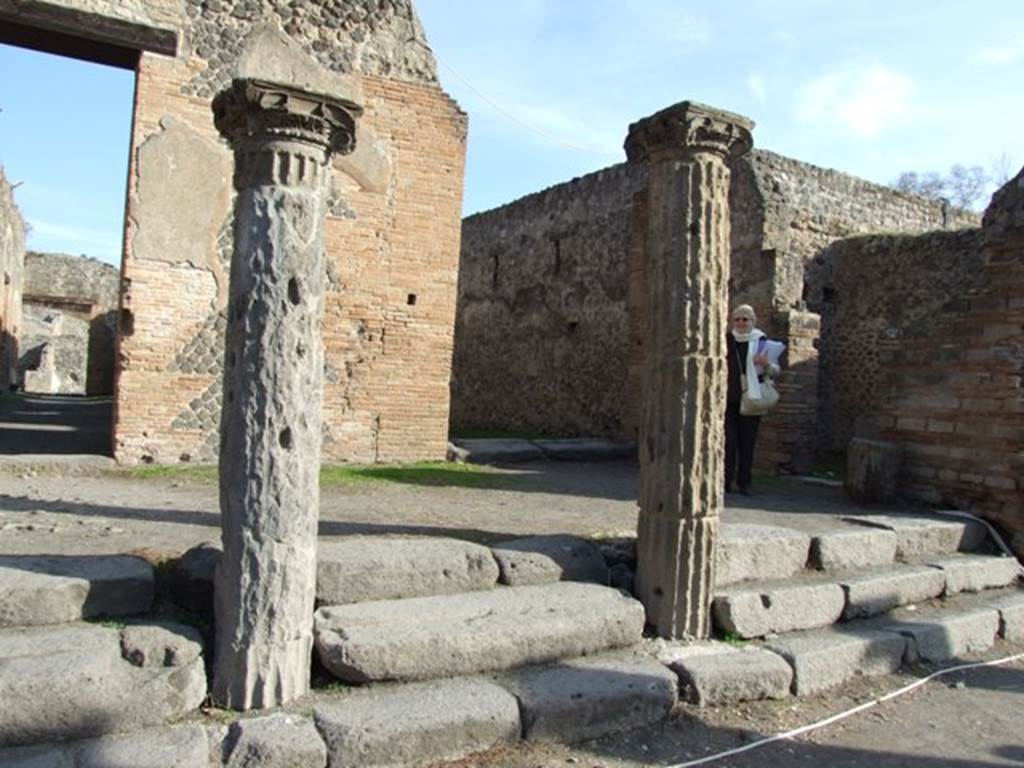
column 262, row 676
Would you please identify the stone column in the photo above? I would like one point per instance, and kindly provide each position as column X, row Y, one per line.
column 273, row 384
column 681, row 433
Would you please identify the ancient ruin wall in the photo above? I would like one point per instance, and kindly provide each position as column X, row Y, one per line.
column 12, row 263
column 392, row 232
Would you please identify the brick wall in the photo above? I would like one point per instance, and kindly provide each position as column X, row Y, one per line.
column 12, row 264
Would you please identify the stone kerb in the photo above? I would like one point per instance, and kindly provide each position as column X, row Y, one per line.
column 687, row 256
column 271, row 422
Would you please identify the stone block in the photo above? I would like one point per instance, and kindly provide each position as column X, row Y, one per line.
column 478, row 631
column 183, row 746
column 779, row 608
column 418, row 724
column 583, row 699
column 949, row 636
column 161, row 645
column 975, row 573
column 546, row 559
column 367, row 568
column 191, row 579
column 827, row 658
column 284, row 740
column 587, row 449
column 1011, row 616
column 43, row 756
column 747, row 551
column 715, row 674
column 854, row 548
column 500, row 451
column 874, row 593
column 919, row 537
column 53, row 589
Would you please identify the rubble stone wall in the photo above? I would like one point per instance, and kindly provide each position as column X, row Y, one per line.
column 12, row 266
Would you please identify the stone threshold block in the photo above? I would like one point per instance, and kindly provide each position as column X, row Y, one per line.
column 587, row 449
column 748, row 552
column 853, row 548
column 499, row 451
column 183, row 746
column 975, row 573
column 281, row 740
column 948, row 635
column 874, row 593
column 37, row 590
column 781, row 607
column 419, row 724
column 446, row 636
column 78, row 681
column 920, row 536
column 366, row 568
column 826, row 658
column 547, row 559
column 1011, row 616
column 717, row 674
column 586, row 698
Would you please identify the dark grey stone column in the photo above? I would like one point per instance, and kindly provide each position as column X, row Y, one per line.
column 273, row 385
column 681, row 433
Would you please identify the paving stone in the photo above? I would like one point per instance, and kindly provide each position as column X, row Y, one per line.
column 716, row 674
column 747, row 551
column 53, row 589
column 853, row 548
column 918, row 537
column 827, row 658
column 71, row 682
column 587, row 449
column 783, row 607
column 583, row 699
column 283, row 740
column 546, row 559
column 1011, row 616
column 417, row 724
column 43, row 756
column 183, row 746
column 947, row 636
column 444, row 636
column 874, row 593
column 975, row 573
column 500, row 451
column 366, row 568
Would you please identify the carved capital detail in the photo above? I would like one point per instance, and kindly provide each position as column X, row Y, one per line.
column 688, row 128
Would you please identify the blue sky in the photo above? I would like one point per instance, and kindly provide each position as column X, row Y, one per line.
column 869, row 88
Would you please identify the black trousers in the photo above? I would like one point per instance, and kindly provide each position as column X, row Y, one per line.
column 740, row 437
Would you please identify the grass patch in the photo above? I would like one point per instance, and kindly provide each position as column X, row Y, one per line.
column 731, row 638
column 205, row 472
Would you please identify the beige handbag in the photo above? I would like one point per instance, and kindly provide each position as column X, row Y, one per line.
column 756, row 406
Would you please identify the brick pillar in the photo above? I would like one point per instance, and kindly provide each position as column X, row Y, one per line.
column 681, row 434
column 273, row 385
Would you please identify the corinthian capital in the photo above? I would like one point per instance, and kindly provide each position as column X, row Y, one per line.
column 688, row 128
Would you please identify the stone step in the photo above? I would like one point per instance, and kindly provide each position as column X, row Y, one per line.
column 547, row 559
column 38, row 590
column 719, row 674
column 453, row 635
column 921, row 535
column 79, row 680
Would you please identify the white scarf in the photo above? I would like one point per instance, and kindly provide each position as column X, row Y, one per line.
column 753, row 385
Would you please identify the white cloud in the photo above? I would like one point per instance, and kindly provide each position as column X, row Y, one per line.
column 998, row 55
column 864, row 100
column 757, row 87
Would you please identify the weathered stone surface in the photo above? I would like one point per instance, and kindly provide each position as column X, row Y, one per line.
column 1011, row 616
column 778, row 608
column 45, row 756
column 974, row 573
column 365, row 568
column 271, row 422
column 918, row 537
column 418, row 724
column 72, row 682
column 827, row 658
column 874, row 593
column 942, row 637
column 853, row 548
column 546, row 559
column 192, row 577
column 283, row 740
column 478, row 631
column 161, row 645
column 182, row 746
column 499, row 451
column 747, row 551
column 716, row 674
column 872, row 469
column 52, row 589
column 587, row 449
column 583, row 699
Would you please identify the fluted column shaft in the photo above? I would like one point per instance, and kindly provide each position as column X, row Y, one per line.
column 273, row 385
column 681, row 435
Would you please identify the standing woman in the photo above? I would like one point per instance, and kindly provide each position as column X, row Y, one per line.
column 745, row 356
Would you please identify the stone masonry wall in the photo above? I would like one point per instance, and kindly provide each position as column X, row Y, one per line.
column 12, row 264
column 954, row 387
column 392, row 232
